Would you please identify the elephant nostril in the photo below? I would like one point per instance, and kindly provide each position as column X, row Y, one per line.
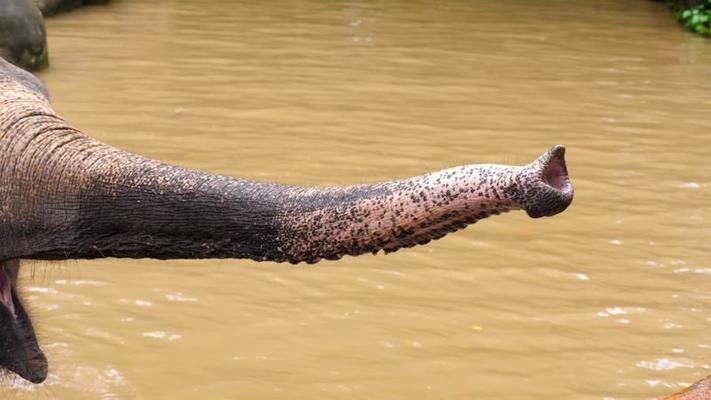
column 555, row 173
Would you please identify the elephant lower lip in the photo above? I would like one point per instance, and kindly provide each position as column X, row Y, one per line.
column 6, row 292
column 37, row 366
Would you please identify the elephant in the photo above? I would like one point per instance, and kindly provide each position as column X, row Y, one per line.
column 23, row 38
column 65, row 195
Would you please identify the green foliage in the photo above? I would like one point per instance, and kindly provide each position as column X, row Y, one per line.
column 697, row 19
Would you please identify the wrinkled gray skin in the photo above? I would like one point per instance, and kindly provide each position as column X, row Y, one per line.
column 65, row 195
column 23, row 39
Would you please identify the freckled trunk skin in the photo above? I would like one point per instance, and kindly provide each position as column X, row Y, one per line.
column 393, row 215
column 67, row 196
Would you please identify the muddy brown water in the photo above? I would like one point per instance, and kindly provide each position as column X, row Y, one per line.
column 610, row 300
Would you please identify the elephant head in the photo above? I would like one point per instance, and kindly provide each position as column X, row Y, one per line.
column 65, row 195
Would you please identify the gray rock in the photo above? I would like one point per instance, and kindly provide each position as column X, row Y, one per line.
column 23, row 38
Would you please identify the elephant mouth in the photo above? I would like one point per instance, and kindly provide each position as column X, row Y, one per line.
column 6, row 291
column 19, row 350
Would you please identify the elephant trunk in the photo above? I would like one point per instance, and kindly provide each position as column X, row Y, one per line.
column 67, row 196
column 135, row 207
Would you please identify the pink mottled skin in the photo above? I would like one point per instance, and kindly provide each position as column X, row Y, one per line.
column 417, row 210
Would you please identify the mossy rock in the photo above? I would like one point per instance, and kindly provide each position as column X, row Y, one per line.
column 23, row 38
column 49, row 7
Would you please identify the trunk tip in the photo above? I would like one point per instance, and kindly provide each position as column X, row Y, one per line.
column 551, row 191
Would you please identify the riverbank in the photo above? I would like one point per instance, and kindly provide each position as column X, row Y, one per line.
column 695, row 15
